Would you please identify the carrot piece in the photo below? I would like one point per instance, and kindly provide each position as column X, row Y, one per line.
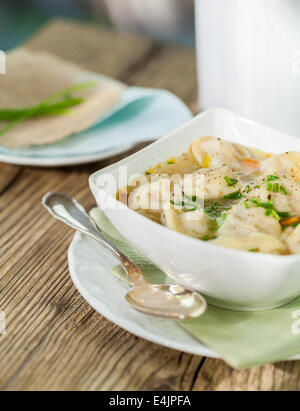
column 248, row 162
column 289, row 221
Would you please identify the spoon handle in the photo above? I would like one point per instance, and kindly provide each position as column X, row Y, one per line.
column 69, row 211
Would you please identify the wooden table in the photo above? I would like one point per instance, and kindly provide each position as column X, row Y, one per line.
column 54, row 339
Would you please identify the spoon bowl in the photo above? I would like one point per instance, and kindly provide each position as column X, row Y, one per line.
column 171, row 301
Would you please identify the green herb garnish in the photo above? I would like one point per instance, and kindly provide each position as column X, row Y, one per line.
column 283, row 190
column 187, row 204
column 207, row 237
column 230, row 181
column 275, row 214
column 57, row 103
column 214, row 210
column 270, row 209
column 275, row 188
column 223, row 218
column 254, row 250
column 271, row 177
column 217, row 225
column 283, row 214
column 233, row 196
column 45, row 110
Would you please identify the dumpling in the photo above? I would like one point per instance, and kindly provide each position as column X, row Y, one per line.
column 289, row 201
column 192, row 223
column 243, row 222
column 250, row 229
column 291, row 236
column 285, row 164
column 151, row 196
column 211, row 184
column 213, row 152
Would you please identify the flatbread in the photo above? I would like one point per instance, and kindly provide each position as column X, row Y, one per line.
column 33, row 76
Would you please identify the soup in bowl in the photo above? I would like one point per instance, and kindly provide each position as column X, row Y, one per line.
column 225, row 193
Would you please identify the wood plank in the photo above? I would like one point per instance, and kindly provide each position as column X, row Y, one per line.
column 8, row 172
column 96, row 48
column 217, row 376
column 172, row 68
column 53, row 338
column 143, row 62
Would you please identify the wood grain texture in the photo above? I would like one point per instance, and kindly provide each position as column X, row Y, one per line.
column 8, row 173
column 96, row 49
column 54, row 339
column 172, row 68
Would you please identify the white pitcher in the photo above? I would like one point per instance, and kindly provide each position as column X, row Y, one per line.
column 248, row 54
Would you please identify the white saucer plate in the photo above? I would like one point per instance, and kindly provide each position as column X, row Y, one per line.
column 90, row 268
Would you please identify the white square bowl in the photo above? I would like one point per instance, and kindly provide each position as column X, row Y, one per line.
column 228, row 278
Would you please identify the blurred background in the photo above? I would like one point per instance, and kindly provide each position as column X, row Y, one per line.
column 164, row 20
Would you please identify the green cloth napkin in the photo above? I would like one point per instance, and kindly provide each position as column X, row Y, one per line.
column 243, row 339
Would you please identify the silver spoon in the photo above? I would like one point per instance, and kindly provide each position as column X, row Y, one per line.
column 171, row 301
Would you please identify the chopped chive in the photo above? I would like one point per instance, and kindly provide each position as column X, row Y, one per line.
column 230, row 182
column 254, row 250
column 270, row 209
column 206, row 237
column 194, row 198
column 215, row 224
column 171, row 162
column 41, row 107
column 275, row 215
column 223, row 218
column 233, row 196
column 283, row 214
column 246, row 204
column 283, row 190
column 267, row 206
column 254, row 201
column 247, row 188
column 275, row 188
column 271, row 177
column 269, row 186
column 256, row 187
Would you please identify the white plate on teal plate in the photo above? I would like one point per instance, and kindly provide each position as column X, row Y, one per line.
column 90, row 269
column 141, row 115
